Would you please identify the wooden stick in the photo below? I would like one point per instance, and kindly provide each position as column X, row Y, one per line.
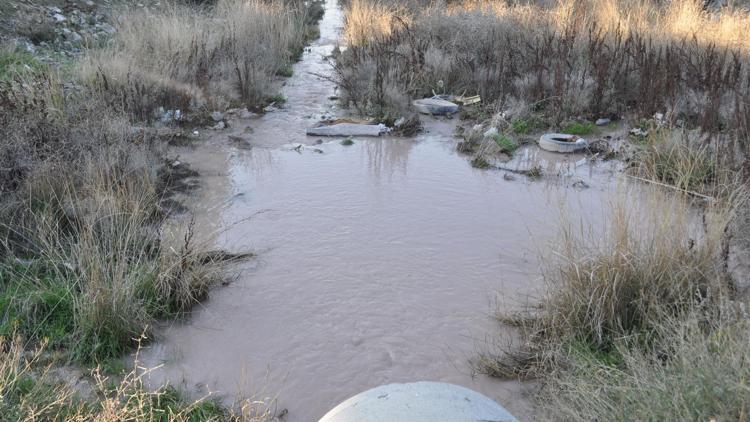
column 689, row 192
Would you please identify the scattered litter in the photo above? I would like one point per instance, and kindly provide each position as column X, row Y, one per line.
column 169, row 115
column 639, row 132
column 271, row 107
column 196, row 133
column 560, row 142
column 348, row 129
column 435, row 106
column 602, row 148
column 603, row 122
column 491, row 132
column 407, row 126
column 468, row 100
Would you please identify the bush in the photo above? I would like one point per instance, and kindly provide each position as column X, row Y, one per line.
column 178, row 57
column 687, row 164
column 570, row 58
column 652, row 265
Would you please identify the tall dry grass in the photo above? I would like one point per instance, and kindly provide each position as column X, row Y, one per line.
column 568, row 59
column 178, row 57
column 638, row 321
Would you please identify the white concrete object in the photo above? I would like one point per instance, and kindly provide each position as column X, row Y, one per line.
column 419, row 402
column 435, row 106
column 347, row 129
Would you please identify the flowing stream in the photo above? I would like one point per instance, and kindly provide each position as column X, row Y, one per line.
column 379, row 262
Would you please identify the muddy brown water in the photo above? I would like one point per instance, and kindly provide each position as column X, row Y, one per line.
column 379, row 262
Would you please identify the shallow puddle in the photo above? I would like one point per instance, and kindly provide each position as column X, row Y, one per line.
column 379, row 262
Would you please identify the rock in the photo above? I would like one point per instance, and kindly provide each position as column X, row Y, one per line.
column 74, row 37
column 59, row 18
column 217, row 116
column 347, row 129
column 107, row 28
column 220, row 126
column 603, row 121
column 435, row 106
column 509, row 177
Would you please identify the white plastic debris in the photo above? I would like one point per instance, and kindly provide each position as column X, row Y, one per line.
column 348, row 129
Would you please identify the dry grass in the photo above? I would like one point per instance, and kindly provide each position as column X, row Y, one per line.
column 30, row 391
column 572, row 58
column 639, row 321
column 700, row 373
column 180, row 57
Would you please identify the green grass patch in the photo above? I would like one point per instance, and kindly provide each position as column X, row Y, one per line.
column 36, row 302
column 277, row 99
column 286, row 71
column 506, row 144
column 526, row 126
column 18, row 63
column 578, row 128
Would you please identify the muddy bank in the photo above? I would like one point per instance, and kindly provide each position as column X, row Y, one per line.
column 379, row 262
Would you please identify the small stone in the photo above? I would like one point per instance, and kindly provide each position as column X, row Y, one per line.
column 59, row 18
column 603, row 121
column 75, row 37
column 509, row 177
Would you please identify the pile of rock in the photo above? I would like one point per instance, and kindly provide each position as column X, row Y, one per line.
column 64, row 30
